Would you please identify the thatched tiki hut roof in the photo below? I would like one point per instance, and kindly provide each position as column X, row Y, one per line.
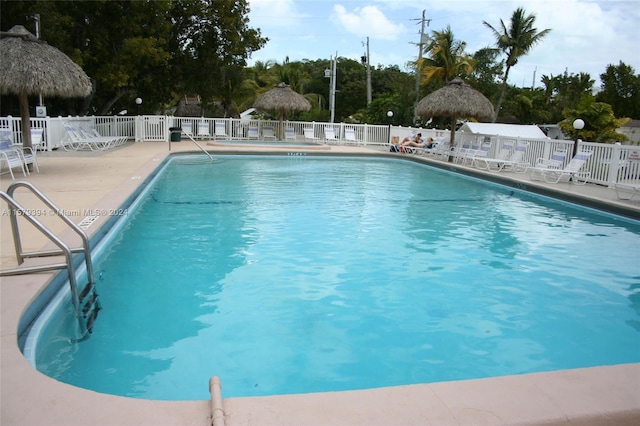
column 282, row 99
column 456, row 100
column 30, row 66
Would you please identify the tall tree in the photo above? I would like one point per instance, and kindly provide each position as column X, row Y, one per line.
column 446, row 58
column 213, row 43
column 515, row 41
column 565, row 91
column 487, row 72
column 621, row 90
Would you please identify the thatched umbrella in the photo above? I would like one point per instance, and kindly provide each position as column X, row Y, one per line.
column 30, row 66
column 282, row 99
column 456, row 99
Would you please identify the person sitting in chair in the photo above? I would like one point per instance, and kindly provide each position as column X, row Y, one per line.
column 418, row 142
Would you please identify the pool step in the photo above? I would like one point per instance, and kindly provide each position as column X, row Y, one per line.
column 89, row 305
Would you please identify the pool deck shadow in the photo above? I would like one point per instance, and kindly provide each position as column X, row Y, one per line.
column 99, row 182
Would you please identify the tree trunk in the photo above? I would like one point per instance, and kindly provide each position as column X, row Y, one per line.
column 504, row 89
column 24, row 116
column 26, row 122
column 105, row 110
column 452, row 138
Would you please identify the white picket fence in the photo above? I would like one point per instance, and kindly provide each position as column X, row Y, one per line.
column 609, row 163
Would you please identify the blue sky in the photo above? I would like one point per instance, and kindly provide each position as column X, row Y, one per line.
column 585, row 36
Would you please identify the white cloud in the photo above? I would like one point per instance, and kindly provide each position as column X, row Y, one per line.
column 586, row 35
column 367, row 21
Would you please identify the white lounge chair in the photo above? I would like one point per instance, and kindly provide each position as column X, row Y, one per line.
column 513, row 160
column 627, row 190
column 220, row 129
column 350, row 136
column 496, row 163
column 479, row 154
column 203, row 129
column 309, row 135
column 187, row 128
column 571, row 172
column 556, row 162
column 516, row 162
column 37, row 137
column 92, row 132
column 461, row 151
column 330, row 134
column 9, row 155
column 441, row 148
column 76, row 140
column 267, row 132
column 465, row 155
column 290, row 134
column 253, row 132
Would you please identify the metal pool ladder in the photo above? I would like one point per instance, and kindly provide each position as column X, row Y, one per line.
column 85, row 301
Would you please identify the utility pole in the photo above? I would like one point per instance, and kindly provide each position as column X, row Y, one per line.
column 368, row 74
column 332, row 87
column 420, row 46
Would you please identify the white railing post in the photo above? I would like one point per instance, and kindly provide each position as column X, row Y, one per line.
column 614, row 165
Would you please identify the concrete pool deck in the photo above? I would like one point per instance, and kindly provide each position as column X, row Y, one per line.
column 97, row 182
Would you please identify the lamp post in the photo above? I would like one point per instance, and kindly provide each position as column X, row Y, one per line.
column 578, row 124
column 390, row 115
column 138, row 102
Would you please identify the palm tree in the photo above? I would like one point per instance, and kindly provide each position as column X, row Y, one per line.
column 515, row 41
column 447, row 58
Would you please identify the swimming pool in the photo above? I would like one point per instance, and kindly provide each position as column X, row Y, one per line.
column 377, row 272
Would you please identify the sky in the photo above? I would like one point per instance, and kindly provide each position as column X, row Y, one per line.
column 585, row 36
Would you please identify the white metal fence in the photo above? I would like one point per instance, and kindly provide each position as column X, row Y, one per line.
column 608, row 164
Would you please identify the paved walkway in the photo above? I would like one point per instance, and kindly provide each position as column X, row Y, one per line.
column 96, row 183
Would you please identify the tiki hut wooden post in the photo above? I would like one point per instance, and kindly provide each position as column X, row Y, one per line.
column 30, row 66
column 282, row 99
column 456, row 100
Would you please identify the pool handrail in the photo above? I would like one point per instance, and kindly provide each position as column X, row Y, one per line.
column 89, row 309
column 199, row 146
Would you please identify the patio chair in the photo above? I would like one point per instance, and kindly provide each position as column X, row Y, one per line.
column 516, row 162
column 187, row 128
column 253, row 132
column 267, row 132
column 29, row 153
column 465, row 154
column 350, row 136
column 441, row 148
column 496, row 163
column 330, row 134
column 92, row 132
column 460, row 152
column 290, row 133
column 555, row 162
column 37, row 137
column 309, row 135
column 76, row 140
column 203, row 129
column 627, row 190
column 220, row 129
column 572, row 172
column 478, row 155
column 9, row 155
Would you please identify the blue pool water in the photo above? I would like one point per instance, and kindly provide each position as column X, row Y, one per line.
column 309, row 274
column 265, row 143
